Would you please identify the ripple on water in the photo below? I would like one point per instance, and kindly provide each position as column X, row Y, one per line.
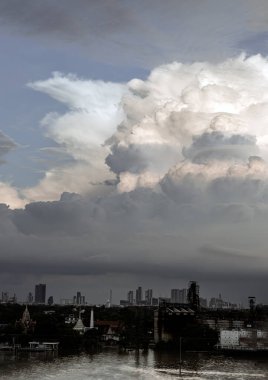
column 110, row 365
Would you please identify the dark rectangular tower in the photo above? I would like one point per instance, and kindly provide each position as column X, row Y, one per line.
column 139, row 295
column 40, row 293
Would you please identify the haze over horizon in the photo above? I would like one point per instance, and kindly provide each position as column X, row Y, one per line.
column 134, row 146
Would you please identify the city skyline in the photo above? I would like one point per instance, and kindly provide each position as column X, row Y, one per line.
column 134, row 146
column 135, row 297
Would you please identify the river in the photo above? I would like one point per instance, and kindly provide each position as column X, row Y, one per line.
column 132, row 365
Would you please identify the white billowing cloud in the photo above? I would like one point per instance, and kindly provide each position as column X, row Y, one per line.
column 93, row 114
column 11, row 196
column 185, row 119
column 94, row 111
column 76, row 177
column 202, row 119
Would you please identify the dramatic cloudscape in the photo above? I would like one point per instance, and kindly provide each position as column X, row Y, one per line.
column 134, row 147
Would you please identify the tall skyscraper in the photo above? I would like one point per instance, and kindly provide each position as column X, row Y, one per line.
column 148, row 296
column 178, row 296
column 193, row 294
column 138, row 295
column 183, row 295
column 40, row 293
column 175, row 295
column 78, row 298
column 130, row 297
column 30, row 298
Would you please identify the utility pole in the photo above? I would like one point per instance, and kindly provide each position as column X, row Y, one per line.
column 180, row 357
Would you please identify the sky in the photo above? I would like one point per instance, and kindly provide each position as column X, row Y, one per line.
column 134, row 147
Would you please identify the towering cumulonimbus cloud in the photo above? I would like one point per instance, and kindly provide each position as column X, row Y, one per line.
column 206, row 120
column 164, row 178
column 197, row 122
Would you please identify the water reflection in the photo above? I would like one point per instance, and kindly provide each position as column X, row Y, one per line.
column 10, row 362
column 207, row 366
column 110, row 364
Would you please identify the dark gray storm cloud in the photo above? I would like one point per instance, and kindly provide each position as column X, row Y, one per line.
column 65, row 19
column 141, row 233
column 135, row 158
column 141, row 32
column 219, row 146
column 125, row 159
column 145, row 236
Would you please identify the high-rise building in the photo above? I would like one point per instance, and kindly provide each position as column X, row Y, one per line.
column 130, row 297
column 30, row 298
column 183, row 295
column 193, row 294
column 175, row 295
column 40, row 293
column 79, row 299
column 178, row 295
column 139, row 295
column 148, row 296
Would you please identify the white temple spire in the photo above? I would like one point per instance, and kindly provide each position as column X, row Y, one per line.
column 92, row 319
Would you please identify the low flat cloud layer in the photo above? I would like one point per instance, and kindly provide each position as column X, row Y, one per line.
column 167, row 181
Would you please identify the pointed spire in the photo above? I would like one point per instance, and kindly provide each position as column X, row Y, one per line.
column 26, row 315
column 92, row 319
column 79, row 326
